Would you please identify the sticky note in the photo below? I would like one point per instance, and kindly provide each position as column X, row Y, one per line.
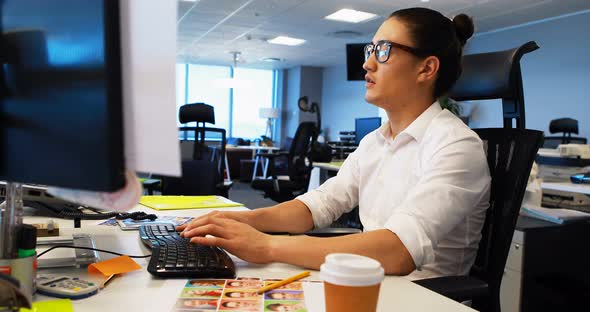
column 118, row 265
column 61, row 305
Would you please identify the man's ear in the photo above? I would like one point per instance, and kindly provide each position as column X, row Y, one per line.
column 428, row 69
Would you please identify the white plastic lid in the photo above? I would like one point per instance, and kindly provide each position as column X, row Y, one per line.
column 351, row 270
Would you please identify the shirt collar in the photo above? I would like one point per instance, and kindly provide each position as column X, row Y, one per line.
column 418, row 127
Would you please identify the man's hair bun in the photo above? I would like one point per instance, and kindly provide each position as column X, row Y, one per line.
column 464, row 27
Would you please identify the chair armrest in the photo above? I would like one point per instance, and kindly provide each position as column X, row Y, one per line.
column 331, row 232
column 458, row 288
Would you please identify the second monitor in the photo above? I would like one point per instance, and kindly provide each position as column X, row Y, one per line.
column 364, row 126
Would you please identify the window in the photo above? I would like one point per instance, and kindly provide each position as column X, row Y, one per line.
column 203, row 86
column 256, row 92
column 236, row 108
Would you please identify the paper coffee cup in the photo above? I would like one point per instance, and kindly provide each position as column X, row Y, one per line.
column 351, row 282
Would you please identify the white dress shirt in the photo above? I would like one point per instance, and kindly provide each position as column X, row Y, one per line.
column 429, row 185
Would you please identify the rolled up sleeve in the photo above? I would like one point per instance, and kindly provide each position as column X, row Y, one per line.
column 334, row 197
column 455, row 179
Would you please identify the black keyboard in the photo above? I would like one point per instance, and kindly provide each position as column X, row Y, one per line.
column 175, row 256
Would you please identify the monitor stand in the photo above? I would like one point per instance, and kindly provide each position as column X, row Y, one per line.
column 11, row 217
column 67, row 257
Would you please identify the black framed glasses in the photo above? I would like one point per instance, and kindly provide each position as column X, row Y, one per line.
column 382, row 49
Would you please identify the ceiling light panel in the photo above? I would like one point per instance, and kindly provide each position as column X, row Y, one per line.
column 351, row 16
column 284, row 40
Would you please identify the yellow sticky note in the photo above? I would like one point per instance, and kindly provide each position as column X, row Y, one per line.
column 118, row 265
column 61, row 305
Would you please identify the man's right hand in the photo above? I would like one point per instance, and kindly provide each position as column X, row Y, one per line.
column 240, row 216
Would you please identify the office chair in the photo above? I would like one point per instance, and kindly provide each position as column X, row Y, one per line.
column 495, row 75
column 510, row 154
column 567, row 126
column 203, row 174
column 298, row 167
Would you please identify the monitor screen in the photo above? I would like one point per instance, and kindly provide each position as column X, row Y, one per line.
column 364, row 126
column 355, row 58
column 60, row 104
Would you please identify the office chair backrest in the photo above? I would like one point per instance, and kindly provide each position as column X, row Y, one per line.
column 495, row 75
column 202, row 113
column 199, row 177
column 199, row 112
column 510, row 155
column 299, row 161
column 565, row 125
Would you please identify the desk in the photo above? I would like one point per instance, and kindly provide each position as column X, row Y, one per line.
column 542, row 261
column 566, row 187
column 546, row 269
column 322, row 171
column 255, row 150
column 331, row 166
column 139, row 291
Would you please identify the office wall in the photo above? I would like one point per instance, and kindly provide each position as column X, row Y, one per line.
column 311, row 86
column 297, row 82
column 289, row 110
column 556, row 77
column 342, row 102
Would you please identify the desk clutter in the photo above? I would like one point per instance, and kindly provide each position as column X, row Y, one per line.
column 241, row 294
column 568, row 163
column 130, row 224
column 186, row 202
column 554, row 215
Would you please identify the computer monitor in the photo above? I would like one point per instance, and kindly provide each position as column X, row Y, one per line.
column 363, row 126
column 355, row 58
column 61, row 111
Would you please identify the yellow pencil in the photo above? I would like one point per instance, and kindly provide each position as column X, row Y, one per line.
column 108, row 280
column 284, row 282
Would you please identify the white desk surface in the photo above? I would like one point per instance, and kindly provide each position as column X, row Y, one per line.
column 139, row 291
column 252, row 148
column 333, row 166
column 566, row 187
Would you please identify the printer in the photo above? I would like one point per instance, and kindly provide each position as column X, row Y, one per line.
column 558, row 165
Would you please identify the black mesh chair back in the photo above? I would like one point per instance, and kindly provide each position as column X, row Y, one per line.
column 495, row 75
column 203, row 174
column 566, row 126
column 510, row 155
column 299, row 167
column 199, row 177
column 202, row 113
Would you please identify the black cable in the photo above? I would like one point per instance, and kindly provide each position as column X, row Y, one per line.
column 70, row 213
column 89, row 248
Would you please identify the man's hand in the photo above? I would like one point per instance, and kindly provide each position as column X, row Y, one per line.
column 236, row 237
column 241, row 216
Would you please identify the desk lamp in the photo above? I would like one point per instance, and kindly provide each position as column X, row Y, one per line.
column 269, row 113
column 303, row 103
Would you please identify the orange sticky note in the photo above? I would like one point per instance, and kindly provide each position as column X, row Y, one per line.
column 118, row 265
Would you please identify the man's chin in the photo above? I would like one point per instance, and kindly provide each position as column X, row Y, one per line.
column 372, row 100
